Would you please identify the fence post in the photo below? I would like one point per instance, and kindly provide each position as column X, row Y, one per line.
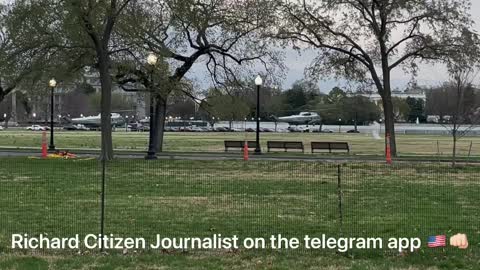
column 470, row 149
column 339, row 189
column 102, row 204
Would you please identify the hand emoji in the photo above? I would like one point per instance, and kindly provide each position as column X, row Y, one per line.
column 459, row 240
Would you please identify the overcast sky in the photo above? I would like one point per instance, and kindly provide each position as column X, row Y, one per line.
column 428, row 75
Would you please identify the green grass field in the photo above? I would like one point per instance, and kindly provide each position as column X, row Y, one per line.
column 254, row 199
column 361, row 144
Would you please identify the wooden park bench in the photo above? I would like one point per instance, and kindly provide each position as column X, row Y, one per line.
column 330, row 146
column 239, row 145
column 285, row 145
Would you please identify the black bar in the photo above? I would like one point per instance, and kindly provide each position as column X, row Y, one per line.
column 102, row 205
column 151, row 154
column 339, row 187
column 258, row 150
column 51, row 147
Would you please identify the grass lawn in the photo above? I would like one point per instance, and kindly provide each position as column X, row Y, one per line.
column 361, row 144
column 255, row 199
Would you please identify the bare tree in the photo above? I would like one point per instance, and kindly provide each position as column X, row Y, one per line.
column 365, row 40
column 461, row 107
column 223, row 34
column 97, row 19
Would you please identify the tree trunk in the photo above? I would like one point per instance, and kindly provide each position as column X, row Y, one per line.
column 356, row 124
column 2, row 95
column 160, row 114
column 454, row 151
column 388, row 113
column 106, row 109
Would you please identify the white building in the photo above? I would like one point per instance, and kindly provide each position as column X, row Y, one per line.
column 375, row 97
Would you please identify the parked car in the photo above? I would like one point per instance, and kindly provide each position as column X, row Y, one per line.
column 222, row 129
column 353, row 131
column 297, row 129
column 185, row 129
column 37, row 128
column 1, row 128
column 196, row 129
column 137, row 127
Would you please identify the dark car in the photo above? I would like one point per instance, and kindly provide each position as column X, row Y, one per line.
column 353, row 131
column 139, row 128
column 222, row 129
column 295, row 129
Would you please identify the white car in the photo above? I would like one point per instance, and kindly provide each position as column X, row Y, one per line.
column 1, row 128
column 36, row 128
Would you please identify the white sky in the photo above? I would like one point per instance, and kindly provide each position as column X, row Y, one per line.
column 428, row 75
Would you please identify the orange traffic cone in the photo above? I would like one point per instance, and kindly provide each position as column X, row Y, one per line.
column 44, row 145
column 388, row 150
column 245, row 151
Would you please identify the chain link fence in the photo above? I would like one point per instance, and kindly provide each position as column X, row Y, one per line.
column 187, row 198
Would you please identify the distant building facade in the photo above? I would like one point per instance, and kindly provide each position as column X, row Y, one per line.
column 417, row 94
column 24, row 106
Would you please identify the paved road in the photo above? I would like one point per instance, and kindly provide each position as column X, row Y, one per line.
column 232, row 156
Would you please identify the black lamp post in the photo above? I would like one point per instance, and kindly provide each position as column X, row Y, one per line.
column 151, row 154
column 258, row 83
column 52, row 83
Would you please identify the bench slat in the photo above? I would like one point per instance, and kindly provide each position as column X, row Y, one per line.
column 285, row 145
column 239, row 144
column 330, row 146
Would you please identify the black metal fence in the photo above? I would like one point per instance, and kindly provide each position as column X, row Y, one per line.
column 258, row 199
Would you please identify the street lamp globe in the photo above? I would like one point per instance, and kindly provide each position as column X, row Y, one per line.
column 52, row 83
column 258, row 81
column 152, row 59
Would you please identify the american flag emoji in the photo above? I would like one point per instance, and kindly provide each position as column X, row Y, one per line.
column 437, row 241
